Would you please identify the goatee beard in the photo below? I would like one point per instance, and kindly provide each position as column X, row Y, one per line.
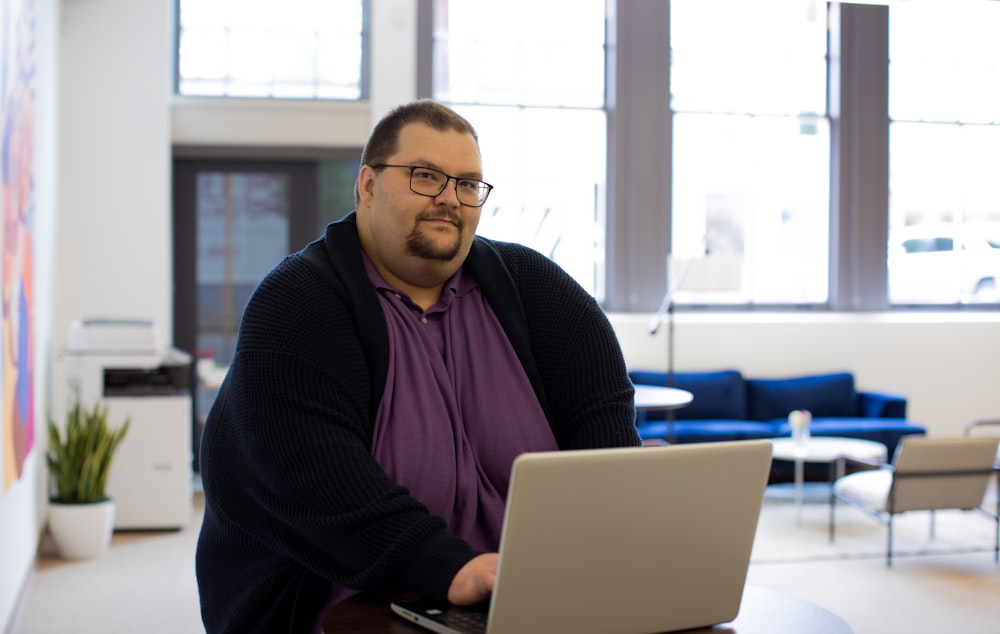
column 421, row 246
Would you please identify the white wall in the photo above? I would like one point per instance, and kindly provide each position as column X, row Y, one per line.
column 114, row 162
column 394, row 54
column 945, row 364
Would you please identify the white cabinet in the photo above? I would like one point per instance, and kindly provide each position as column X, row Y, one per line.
column 150, row 480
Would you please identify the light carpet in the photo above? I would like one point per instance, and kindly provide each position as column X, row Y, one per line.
column 789, row 533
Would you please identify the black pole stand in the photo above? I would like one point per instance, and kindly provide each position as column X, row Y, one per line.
column 674, row 280
column 670, row 369
column 666, row 309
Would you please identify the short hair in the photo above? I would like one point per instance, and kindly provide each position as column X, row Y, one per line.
column 384, row 139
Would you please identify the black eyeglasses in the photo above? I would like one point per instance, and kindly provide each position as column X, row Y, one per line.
column 427, row 181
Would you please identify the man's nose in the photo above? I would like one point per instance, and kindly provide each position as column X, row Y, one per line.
column 451, row 193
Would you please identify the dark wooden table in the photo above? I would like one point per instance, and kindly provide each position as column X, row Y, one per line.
column 762, row 612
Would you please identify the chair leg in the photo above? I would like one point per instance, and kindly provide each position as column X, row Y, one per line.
column 888, row 550
column 996, row 541
column 933, row 531
column 833, row 503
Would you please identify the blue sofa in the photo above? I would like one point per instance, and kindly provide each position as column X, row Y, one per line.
column 729, row 406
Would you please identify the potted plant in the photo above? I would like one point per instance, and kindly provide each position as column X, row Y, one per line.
column 81, row 516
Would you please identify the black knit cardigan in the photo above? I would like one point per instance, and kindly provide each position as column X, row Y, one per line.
column 294, row 500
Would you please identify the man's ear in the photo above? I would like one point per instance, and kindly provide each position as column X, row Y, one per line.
column 366, row 184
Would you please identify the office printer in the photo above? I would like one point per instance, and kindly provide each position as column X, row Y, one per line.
column 122, row 364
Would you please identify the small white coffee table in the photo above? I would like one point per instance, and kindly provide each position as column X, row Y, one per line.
column 825, row 450
column 655, row 397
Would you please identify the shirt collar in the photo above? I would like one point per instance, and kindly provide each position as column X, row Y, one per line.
column 457, row 285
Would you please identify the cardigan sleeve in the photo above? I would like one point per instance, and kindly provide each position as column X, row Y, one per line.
column 570, row 346
column 290, row 482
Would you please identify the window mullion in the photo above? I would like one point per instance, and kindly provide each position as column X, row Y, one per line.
column 639, row 140
column 859, row 198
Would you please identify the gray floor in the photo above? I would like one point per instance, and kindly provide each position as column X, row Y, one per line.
column 145, row 583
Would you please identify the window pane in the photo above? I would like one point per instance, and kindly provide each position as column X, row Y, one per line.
column 254, row 48
column 760, row 207
column 955, row 76
column 751, row 154
column 944, row 213
column 944, row 209
column 555, row 207
column 534, row 90
column 524, row 52
column 748, row 57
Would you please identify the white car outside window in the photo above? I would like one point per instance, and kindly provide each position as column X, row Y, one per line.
column 944, row 263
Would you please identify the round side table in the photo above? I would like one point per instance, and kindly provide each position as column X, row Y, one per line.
column 824, row 450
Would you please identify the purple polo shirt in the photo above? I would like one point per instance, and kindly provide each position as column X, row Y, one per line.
column 457, row 407
column 456, row 410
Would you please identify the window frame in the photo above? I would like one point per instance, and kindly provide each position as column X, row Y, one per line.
column 641, row 131
column 364, row 78
column 638, row 231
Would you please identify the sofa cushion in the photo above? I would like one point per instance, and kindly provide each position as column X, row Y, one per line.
column 708, row 430
column 824, row 395
column 717, row 395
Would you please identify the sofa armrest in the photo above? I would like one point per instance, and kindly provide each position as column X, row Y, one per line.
column 881, row 405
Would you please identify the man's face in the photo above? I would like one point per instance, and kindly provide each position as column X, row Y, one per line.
column 413, row 235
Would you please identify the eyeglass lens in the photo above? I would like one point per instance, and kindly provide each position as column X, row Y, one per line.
column 431, row 182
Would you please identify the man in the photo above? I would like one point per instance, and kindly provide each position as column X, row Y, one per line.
column 384, row 379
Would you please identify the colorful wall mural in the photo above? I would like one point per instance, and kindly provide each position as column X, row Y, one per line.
column 18, row 65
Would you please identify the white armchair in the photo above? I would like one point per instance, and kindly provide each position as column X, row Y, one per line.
column 926, row 474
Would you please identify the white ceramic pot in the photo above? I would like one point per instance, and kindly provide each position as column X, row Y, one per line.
column 82, row 531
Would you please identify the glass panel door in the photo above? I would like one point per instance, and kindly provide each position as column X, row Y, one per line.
column 233, row 222
column 241, row 231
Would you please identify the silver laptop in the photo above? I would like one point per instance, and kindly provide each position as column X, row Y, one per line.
column 629, row 541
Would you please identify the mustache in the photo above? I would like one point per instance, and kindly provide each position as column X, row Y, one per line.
column 441, row 215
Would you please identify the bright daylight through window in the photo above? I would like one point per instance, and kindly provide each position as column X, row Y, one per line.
column 944, row 103
column 751, row 143
column 308, row 49
column 751, row 151
column 536, row 96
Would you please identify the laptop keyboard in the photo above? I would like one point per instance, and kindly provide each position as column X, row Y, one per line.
column 471, row 621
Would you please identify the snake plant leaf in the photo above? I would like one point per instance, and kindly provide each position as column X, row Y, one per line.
column 80, row 462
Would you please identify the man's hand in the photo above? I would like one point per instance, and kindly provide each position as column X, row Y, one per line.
column 474, row 581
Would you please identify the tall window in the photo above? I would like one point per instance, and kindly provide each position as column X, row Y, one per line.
column 529, row 75
column 751, row 151
column 944, row 106
column 254, row 48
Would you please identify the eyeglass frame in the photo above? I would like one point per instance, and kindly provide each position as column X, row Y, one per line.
column 448, row 178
